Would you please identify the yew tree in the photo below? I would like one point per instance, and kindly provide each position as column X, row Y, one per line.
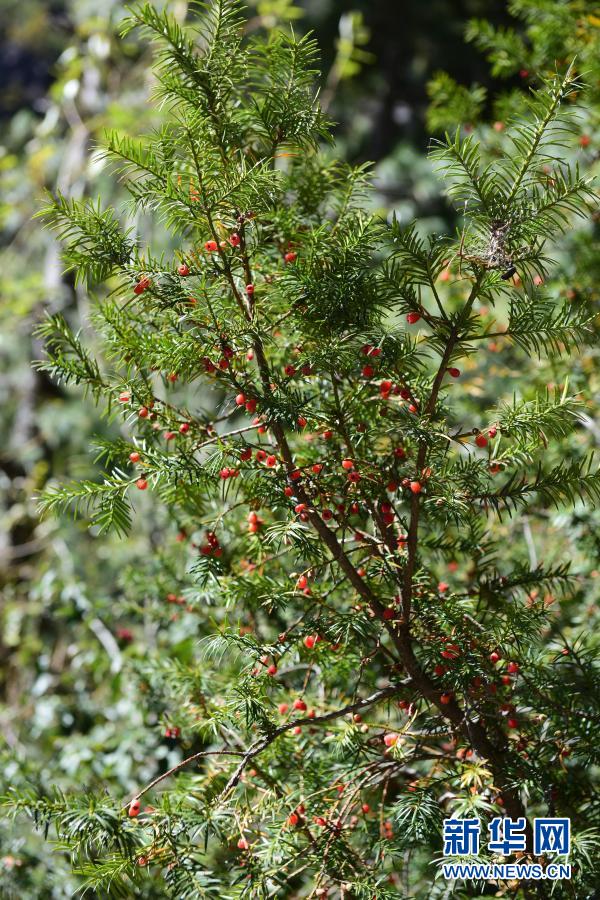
column 293, row 383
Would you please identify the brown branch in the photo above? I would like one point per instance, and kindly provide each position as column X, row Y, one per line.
column 181, row 765
column 260, row 745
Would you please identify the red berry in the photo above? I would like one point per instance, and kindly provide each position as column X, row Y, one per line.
column 141, row 484
column 317, row 468
column 302, row 582
column 184, row 427
column 235, row 239
column 271, row 461
column 240, row 399
column 354, row 477
column 454, row 373
column 368, row 371
column 211, row 246
column 445, row 698
column 300, row 705
column 249, row 289
column 283, row 708
column 512, row 723
column 134, row 456
column 399, row 452
column 481, row 440
column 296, row 475
column 242, row 844
column 327, row 515
column 125, row 397
column 513, row 668
column 290, row 257
column 309, row 641
column 442, row 587
column 494, row 657
column 390, row 739
column 412, row 317
column 143, row 413
column 251, row 406
column 134, row 809
column 347, row 464
column 585, row 140
column 290, row 370
column 366, row 808
column 246, row 454
column 301, row 421
column 272, row 670
column 416, row 487
column 169, row 435
column 183, row 270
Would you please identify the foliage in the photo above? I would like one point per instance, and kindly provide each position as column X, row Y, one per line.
column 308, row 542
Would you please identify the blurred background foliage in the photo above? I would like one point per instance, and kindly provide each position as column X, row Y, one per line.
column 77, row 611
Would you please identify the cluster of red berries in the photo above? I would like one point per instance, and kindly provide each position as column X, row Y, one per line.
column 299, row 705
column 227, row 472
column 254, row 522
column 143, row 283
column 172, row 733
column 269, row 459
column 248, row 402
column 270, row 665
column 212, row 546
column 223, row 363
column 388, row 388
